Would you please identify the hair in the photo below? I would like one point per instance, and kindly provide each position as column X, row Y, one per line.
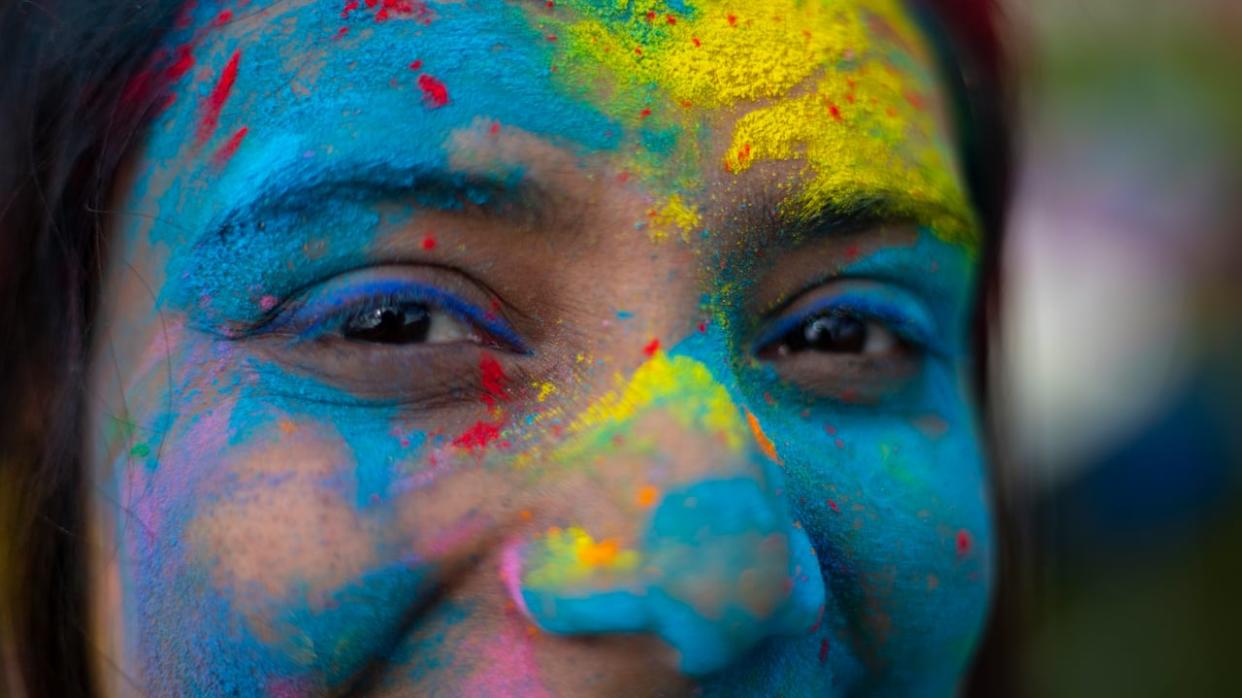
column 79, row 80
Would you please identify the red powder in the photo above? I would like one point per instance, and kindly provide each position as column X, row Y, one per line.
column 493, row 378
column 495, row 128
column 229, row 149
column 833, row 506
column 670, row 19
column 417, row 64
column 732, row 20
column 702, row 328
column 341, row 32
column 429, row 243
column 651, row 15
column 851, row 253
column 835, row 111
column 350, row 6
column 181, row 64
column 222, row 19
column 695, row 41
column 646, row 112
column 823, row 651
column 434, row 92
column 830, row 429
column 652, row 347
column 964, row 543
column 638, row 50
column 478, row 437
column 218, row 97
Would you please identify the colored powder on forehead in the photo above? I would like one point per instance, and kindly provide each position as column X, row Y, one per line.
column 838, row 84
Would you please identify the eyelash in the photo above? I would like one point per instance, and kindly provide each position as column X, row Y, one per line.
column 309, row 322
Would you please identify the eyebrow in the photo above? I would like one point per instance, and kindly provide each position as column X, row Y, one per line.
column 309, row 186
column 866, row 211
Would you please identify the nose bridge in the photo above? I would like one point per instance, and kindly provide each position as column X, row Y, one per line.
column 695, row 544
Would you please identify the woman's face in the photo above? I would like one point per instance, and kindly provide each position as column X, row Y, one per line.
column 541, row 348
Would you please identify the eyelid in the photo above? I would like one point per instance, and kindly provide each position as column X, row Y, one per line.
column 326, row 308
column 897, row 309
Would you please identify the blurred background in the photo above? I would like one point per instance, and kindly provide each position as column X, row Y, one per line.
column 1122, row 397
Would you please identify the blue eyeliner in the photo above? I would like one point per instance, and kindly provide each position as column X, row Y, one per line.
column 326, row 311
column 904, row 317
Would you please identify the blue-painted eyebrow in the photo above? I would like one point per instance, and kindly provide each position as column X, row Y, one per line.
column 305, row 188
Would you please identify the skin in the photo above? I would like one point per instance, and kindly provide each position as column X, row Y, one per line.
column 607, row 469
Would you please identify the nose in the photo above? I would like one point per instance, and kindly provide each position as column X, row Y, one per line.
column 688, row 536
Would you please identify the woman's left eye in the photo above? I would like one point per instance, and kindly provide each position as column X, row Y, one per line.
column 838, row 332
column 405, row 323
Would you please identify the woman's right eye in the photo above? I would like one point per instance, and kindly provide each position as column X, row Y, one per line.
column 405, row 323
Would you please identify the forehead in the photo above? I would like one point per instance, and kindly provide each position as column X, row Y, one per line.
column 808, row 105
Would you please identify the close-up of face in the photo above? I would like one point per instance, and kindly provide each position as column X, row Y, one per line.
column 512, row 347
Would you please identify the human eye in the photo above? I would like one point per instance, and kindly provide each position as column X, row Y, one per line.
column 853, row 340
column 403, row 333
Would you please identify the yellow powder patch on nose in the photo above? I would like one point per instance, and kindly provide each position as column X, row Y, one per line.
column 675, row 214
column 765, row 444
column 682, row 386
column 569, row 556
column 546, row 390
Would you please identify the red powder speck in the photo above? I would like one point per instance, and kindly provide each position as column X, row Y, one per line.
column 493, row 378
column 670, row 19
column 551, row 4
column 551, row 37
column 695, row 40
column 646, row 112
column 732, row 20
column 341, row 32
column 823, row 651
column 839, row 443
column 267, row 302
column 851, row 253
column 833, row 506
column 623, row 177
column 495, row 128
column 478, row 437
column 964, row 543
column 222, row 19
column 652, row 347
column 651, row 15
column 429, row 243
column 830, row 429
column 229, row 149
column 434, row 92
column 218, row 97
column 638, row 50
column 835, row 111
column 182, row 63
column 702, row 328
column 350, row 6
column 417, row 64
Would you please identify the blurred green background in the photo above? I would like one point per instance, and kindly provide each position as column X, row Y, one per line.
column 1122, row 399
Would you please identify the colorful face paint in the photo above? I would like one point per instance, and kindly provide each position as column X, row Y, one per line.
column 440, row 335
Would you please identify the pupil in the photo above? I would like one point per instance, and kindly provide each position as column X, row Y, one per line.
column 833, row 333
column 390, row 325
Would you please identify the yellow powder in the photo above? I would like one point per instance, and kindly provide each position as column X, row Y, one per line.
column 564, row 557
